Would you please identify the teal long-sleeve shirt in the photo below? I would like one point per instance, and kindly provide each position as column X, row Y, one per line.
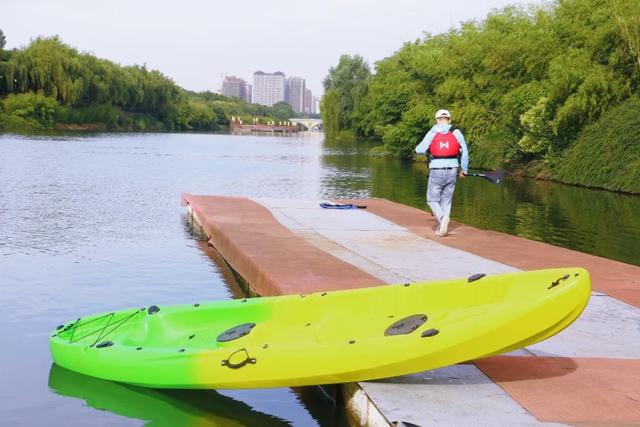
column 445, row 163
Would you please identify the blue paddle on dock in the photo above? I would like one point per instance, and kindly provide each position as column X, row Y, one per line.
column 335, row 205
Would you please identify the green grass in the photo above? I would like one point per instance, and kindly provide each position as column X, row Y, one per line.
column 606, row 154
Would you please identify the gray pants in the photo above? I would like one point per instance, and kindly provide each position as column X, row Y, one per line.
column 440, row 188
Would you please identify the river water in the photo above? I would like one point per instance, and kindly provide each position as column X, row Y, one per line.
column 94, row 223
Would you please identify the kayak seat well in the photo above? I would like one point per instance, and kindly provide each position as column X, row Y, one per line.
column 199, row 328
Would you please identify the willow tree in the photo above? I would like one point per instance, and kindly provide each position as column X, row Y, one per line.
column 349, row 81
column 330, row 111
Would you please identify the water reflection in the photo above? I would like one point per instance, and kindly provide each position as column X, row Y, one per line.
column 192, row 407
column 159, row 407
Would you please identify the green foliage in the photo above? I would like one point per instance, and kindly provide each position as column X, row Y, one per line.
column 348, row 83
column 330, row 109
column 17, row 124
column 517, row 102
column 102, row 113
column 410, row 128
column 627, row 16
column 522, row 84
column 3, row 40
column 607, row 153
column 282, row 111
column 106, row 116
column 493, row 150
column 34, row 110
column 537, row 130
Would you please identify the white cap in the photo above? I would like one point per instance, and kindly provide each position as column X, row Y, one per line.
column 443, row 113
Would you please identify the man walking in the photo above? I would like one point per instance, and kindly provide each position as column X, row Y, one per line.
column 444, row 144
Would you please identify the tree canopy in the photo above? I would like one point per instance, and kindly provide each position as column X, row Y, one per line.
column 87, row 89
column 345, row 86
column 522, row 83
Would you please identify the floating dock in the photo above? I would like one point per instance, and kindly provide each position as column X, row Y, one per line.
column 588, row 374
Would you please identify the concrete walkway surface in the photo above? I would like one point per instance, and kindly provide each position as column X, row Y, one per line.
column 586, row 375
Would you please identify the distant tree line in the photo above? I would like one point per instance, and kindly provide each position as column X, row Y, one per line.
column 529, row 86
column 49, row 83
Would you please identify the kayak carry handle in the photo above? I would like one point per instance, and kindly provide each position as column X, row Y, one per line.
column 557, row 281
column 237, row 365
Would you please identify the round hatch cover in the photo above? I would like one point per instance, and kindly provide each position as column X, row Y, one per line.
column 235, row 332
column 406, row 325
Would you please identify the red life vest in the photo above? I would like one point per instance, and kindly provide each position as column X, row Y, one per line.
column 444, row 146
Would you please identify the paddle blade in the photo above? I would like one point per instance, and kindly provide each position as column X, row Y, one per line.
column 495, row 177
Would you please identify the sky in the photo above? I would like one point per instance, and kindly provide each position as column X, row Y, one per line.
column 195, row 42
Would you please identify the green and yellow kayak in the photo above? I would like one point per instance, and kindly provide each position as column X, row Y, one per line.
column 323, row 337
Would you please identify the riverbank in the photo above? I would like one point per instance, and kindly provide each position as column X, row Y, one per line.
column 48, row 84
column 263, row 128
column 605, row 155
column 542, row 172
column 93, row 128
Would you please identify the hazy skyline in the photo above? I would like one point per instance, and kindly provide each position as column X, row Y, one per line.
column 194, row 42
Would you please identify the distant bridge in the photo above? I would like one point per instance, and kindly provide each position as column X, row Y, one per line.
column 308, row 124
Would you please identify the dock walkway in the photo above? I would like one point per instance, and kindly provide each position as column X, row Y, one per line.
column 586, row 375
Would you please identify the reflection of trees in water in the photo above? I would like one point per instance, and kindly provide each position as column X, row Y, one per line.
column 345, row 170
column 593, row 221
column 348, row 171
column 158, row 407
column 403, row 181
column 184, row 407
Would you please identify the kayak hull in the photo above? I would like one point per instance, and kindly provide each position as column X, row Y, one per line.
column 323, row 337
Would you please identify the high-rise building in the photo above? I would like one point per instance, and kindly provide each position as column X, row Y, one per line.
column 307, row 101
column 315, row 105
column 268, row 88
column 247, row 92
column 294, row 93
column 234, row 87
